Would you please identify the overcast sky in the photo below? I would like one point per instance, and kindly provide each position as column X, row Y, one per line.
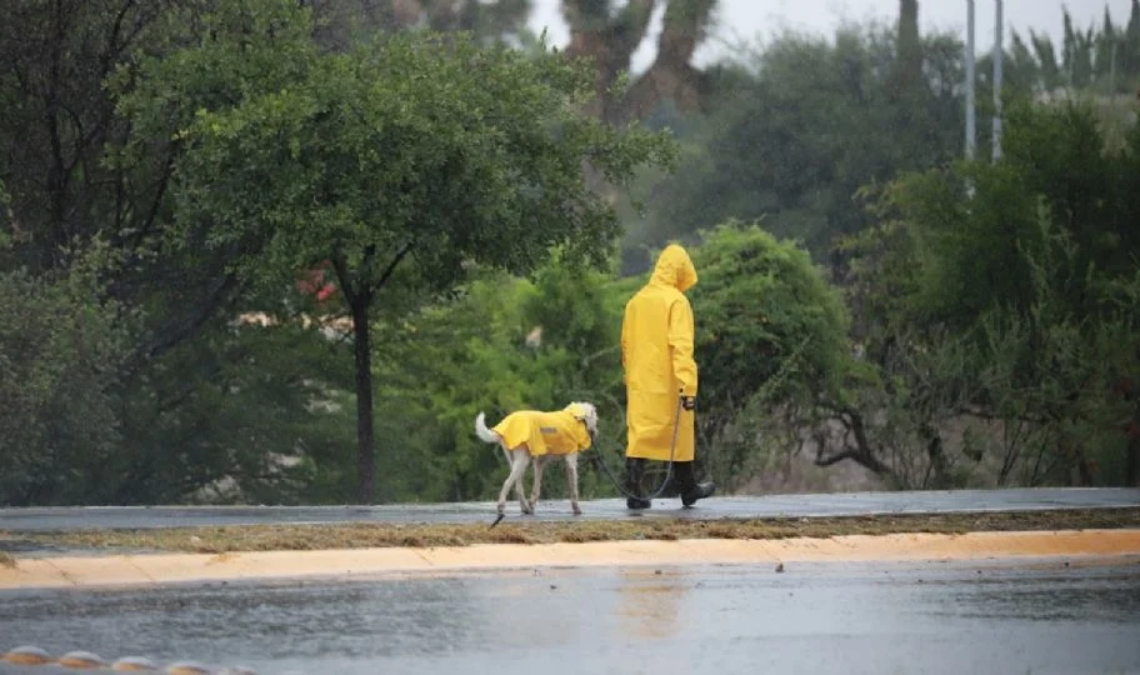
column 757, row 19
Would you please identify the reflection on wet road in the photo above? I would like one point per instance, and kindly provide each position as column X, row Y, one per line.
column 811, row 619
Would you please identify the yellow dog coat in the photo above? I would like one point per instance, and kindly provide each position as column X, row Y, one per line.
column 546, row 433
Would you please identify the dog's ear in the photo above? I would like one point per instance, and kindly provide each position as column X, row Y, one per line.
column 585, row 412
column 591, row 417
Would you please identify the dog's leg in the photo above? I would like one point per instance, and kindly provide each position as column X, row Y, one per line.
column 520, row 484
column 502, row 504
column 520, row 457
column 539, row 463
column 572, row 479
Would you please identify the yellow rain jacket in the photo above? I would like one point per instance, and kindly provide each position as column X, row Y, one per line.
column 657, row 356
column 554, row 433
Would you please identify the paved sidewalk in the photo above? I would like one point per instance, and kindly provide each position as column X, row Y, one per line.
column 803, row 505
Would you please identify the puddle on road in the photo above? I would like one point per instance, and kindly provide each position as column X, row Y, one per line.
column 932, row 618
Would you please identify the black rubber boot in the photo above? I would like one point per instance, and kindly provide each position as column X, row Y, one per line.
column 688, row 486
column 634, row 473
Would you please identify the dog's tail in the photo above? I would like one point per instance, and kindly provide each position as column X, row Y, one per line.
column 481, row 430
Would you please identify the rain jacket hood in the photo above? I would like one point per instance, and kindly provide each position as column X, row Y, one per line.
column 674, row 269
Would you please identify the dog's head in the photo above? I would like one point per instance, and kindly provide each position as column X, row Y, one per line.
column 586, row 412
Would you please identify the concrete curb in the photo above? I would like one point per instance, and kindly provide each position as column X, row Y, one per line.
column 136, row 570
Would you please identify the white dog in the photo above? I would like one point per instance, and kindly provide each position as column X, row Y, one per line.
column 532, row 433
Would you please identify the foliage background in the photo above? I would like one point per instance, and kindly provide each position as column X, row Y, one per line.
column 873, row 311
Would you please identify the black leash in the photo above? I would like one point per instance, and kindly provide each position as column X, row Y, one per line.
column 668, row 471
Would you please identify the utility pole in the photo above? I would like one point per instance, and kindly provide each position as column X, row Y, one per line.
column 998, row 57
column 971, row 128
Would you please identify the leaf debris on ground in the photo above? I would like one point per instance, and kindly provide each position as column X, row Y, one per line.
column 234, row 538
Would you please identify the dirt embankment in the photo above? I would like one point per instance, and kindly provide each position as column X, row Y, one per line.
column 245, row 538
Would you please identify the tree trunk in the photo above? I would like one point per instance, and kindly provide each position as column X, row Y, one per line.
column 612, row 40
column 937, row 471
column 909, row 46
column 359, row 296
column 672, row 77
column 862, row 453
column 1071, row 449
column 365, row 442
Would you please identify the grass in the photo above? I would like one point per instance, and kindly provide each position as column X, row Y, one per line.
column 518, row 531
column 7, row 560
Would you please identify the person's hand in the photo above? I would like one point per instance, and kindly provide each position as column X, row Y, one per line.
column 689, row 402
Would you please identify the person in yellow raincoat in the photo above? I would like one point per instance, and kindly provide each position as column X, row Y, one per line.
column 661, row 378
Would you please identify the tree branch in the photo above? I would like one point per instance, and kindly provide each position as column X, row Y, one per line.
column 610, row 41
column 387, row 273
column 829, row 460
column 861, row 453
column 859, row 457
column 672, row 75
column 172, row 336
column 341, row 269
column 994, row 417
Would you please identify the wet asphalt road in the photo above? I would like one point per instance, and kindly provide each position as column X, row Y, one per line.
column 933, row 618
column 836, row 504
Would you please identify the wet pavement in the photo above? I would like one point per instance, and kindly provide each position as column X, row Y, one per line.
column 804, row 505
column 898, row 618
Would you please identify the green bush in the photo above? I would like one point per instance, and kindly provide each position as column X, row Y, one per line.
column 771, row 344
column 61, row 345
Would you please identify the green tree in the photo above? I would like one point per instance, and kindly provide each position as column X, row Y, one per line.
column 908, row 66
column 797, row 135
column 1097, row 59
column 397, row 164
column 68, row 65
column 1076, row 55
column 62, row 342
column 534, row 344
column 1046, row 54
column 771, row 343
column 176, row 418
column 608, row 34
column 1131, row 42
column 58, row 118
column 1104, row 60
column 243, row 413
column 1011, row 306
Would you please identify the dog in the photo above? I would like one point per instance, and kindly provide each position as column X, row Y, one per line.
column 531, row 433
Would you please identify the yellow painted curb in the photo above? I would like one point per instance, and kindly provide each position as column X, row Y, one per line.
column 171, row 568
